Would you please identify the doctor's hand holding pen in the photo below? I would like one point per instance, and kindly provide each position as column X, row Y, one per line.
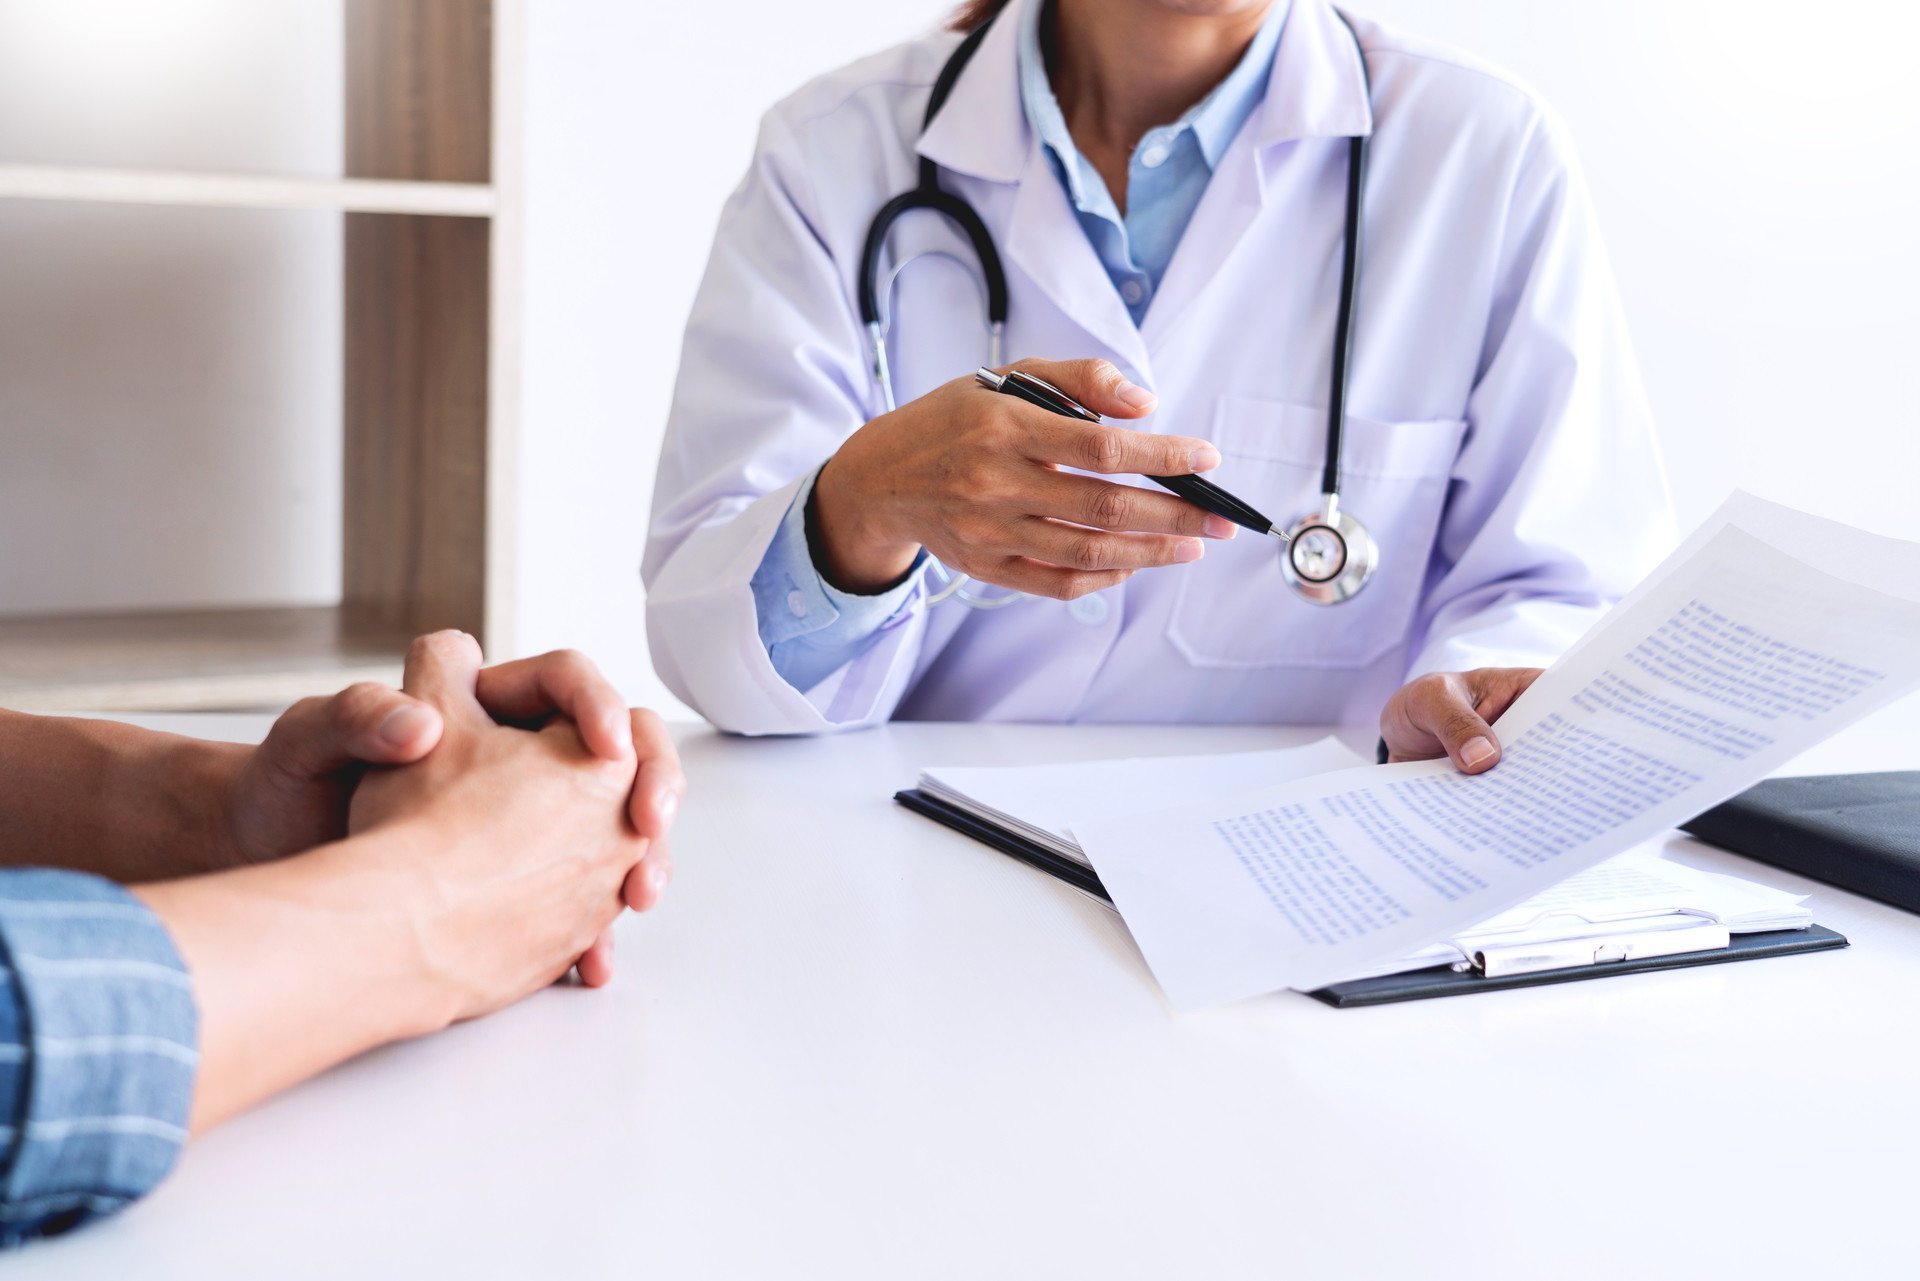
column 979, row 480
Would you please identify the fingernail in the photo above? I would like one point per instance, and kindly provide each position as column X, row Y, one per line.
column 1189, row 549
column 657, row 877
column 1219, row 527
column 1134, row 397
column 1476, row 750
column 403, row 725
column 665, row 805
column 1205, row 458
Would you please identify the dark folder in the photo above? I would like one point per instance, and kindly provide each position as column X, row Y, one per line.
column 1416, row 985
column 1860, row 832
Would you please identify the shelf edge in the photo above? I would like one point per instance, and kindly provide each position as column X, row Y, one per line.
column 243, row 191
column 195, row 693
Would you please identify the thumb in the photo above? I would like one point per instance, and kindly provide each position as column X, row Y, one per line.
column 1446, row 706
column 1095, row 384
column 363, row 722
column 444, row 669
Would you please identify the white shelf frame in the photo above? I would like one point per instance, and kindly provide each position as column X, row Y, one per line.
column 247, row 191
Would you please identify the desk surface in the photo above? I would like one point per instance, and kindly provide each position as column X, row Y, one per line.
column 854, row 1044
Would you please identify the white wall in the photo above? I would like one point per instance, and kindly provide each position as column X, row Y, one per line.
column 1757, row 174
column 169, row 378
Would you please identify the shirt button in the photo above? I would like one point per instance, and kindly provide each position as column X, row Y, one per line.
column 797, row 603
column 1153, row 157
column 1091, row 610
column 1132, row 291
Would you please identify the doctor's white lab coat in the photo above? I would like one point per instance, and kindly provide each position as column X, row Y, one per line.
column 1499, row 446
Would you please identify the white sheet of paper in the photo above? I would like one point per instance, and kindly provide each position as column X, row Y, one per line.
column 1048, row 798
column 1730, row 663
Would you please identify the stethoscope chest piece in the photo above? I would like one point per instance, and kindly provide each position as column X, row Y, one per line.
column 1329, row 556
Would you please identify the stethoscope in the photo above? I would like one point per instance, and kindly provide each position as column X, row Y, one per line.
column 1329, row 556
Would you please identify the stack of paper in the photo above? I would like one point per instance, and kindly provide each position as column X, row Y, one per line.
column 1039, row 802
column 1636, row 892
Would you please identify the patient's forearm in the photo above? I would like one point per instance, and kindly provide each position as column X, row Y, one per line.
column 103, row 797
column 299, row 965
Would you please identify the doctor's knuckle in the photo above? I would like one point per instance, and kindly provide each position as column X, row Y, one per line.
column 1110, row 507
column 1086, row 551
column 1102, row 451
column 972, row 493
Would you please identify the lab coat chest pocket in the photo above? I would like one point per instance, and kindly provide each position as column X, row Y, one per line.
column 1235, row 608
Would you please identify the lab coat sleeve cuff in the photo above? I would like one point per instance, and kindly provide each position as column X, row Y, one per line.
column 703, row 628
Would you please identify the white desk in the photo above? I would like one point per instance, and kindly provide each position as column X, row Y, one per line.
column 854, row 1044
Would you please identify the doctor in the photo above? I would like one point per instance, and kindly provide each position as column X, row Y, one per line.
column 1164, row 181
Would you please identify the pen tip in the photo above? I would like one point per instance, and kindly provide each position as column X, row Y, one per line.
column 1277, row 532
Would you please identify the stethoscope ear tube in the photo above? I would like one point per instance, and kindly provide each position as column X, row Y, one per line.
column 1343, row 324
column 927, row 195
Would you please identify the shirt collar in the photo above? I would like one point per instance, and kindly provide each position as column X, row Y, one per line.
column 1215, row 119
column 1316, row 88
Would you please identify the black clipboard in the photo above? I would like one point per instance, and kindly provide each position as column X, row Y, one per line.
column 1416, row 985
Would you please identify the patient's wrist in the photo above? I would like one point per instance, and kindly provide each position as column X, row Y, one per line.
column 165, row 801
column 385, row 881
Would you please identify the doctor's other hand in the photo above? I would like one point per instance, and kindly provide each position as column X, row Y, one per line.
column 518, row 843
column 1451, row 714
column 979, row 480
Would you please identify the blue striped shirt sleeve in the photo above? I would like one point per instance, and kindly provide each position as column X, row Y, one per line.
column 98, row 1050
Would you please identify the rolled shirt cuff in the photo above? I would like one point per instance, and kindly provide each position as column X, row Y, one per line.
column 811, row 628
column 101, row 1054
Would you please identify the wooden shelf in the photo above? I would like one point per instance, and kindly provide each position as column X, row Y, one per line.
column 431, row 211
column 204, row 659
column 247, row 191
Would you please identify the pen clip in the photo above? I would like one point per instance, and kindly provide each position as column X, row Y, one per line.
column 1027, row 387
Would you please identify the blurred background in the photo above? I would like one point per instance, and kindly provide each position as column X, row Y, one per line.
column 170, row 378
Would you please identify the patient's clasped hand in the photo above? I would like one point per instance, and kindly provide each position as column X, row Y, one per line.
column 384, row 864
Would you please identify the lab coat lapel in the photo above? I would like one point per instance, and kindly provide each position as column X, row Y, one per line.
column 1317, row 89
column 982, row 132
column 1046, row 241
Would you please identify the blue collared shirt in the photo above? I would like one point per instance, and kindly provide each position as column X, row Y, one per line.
column 810, row 628
column 1168, row 172
column 98, row 1050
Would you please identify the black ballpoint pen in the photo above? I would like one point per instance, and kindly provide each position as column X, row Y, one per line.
column 1198, row 490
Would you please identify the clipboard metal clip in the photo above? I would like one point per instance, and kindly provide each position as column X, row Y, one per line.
column 1497, row 960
